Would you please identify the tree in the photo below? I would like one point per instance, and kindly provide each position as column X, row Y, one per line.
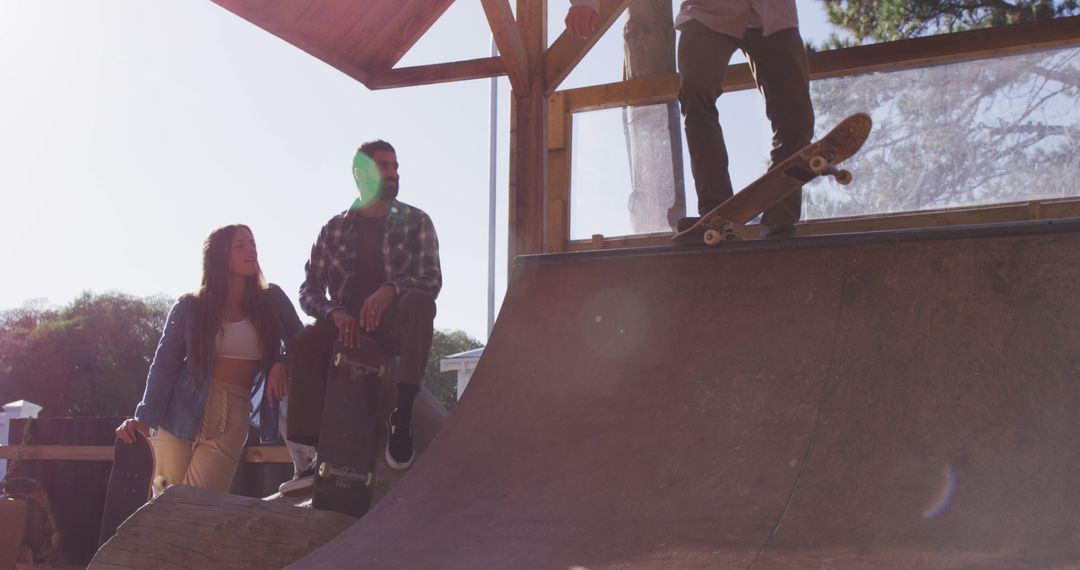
column 998, row 130
column 888, row 20
column 89, row 358
column 443, row 385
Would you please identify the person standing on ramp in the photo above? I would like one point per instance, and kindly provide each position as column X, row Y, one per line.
column 767, row 31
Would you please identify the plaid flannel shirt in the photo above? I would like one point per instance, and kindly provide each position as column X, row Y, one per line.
column 410, row 254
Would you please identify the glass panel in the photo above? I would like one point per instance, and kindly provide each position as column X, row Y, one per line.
column 982, row 132
column 600, row 190
column 976, row 133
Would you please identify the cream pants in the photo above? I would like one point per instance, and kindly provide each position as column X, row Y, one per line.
column 210, row 461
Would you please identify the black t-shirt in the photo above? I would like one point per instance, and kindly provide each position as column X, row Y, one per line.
column 370, row 264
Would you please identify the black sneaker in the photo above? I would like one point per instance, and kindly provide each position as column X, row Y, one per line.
column 399, row 446
column 300, row 484
column 686, row 223
column 727, row 230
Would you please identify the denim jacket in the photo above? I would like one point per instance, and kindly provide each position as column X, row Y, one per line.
column 174, row 398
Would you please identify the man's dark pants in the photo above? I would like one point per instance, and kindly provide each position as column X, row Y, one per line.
column 778, row 62
column 405, row 330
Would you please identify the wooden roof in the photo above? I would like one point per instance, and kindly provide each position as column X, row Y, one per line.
column 362, row 38
column 365, row 39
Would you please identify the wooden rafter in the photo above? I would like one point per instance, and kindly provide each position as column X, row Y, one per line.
column 293, row 22
column 438, row 73
column 508, row 38
column 568, row 50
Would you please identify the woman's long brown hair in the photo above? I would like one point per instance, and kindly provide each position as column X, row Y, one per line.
column 213, row 295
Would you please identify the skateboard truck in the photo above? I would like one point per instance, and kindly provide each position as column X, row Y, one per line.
column 327, row 470
column 823, row 165
column 343, row 361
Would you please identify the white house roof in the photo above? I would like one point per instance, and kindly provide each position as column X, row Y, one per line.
column 473, row 354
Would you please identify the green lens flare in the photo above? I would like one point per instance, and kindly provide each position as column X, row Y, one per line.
column 366, row 174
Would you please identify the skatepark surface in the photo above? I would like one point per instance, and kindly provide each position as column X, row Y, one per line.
column 891, row 400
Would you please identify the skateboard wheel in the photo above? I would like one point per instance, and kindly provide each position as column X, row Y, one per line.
column 324, row 470
column 844, row 177
column 818, row 164
column 713, row 237
column 339, row 360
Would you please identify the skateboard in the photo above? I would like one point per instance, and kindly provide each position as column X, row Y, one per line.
column 345, row 475
column 131, row 483
column 816, row 159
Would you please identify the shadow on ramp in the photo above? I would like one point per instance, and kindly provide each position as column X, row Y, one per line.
column 900, row 400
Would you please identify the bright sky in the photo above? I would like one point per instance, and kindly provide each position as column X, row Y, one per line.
column 130, row 129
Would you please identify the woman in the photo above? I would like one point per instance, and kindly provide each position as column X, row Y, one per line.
column 216, row 342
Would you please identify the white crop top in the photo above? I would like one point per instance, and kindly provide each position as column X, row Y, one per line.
column 238, row 340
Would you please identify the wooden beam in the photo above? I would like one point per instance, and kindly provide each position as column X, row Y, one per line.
column 653, row 90
column 560, row 125
column 58, row 452
column 511, row 45
column 268, row 454
column 946, row 48
column 438, row 73
column 891, row 56
column 1060, row 208
column 528, row 140
column 568, row 50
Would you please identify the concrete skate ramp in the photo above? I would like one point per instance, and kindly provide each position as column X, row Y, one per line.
column 898, row 400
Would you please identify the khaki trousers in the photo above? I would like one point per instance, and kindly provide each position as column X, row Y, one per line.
column 210, row 461
column 778, row 62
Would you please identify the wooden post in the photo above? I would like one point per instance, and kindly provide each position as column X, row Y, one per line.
column 528, row 139
column 560, row 125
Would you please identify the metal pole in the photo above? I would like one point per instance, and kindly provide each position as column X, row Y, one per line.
column 493, row 121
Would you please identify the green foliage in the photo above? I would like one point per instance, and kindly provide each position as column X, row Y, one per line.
column 887, row 20
column 444, row 384
column 89, row 358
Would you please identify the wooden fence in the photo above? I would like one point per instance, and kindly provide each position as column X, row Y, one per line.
column 72, row 457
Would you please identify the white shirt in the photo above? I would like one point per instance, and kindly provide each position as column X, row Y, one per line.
column 730, row 17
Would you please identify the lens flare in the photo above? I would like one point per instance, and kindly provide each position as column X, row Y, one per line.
column 366, row 174
column 944, row 495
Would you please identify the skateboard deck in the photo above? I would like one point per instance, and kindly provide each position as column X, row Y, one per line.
column 345, row 475
column 131, row 483
column 819, row 158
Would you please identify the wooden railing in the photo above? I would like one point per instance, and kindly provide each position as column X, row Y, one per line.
column 269, row 454
column 891, row 56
